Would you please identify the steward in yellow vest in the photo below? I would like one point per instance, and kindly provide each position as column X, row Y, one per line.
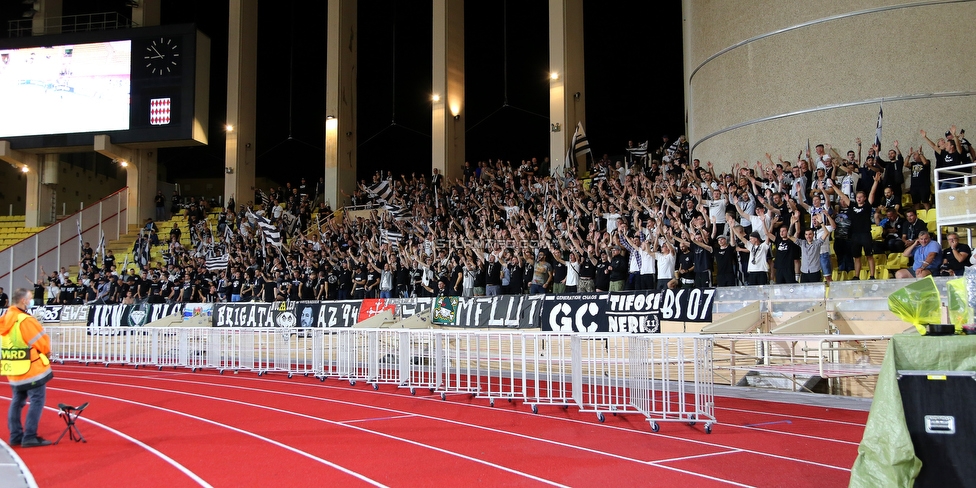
column 24, row 350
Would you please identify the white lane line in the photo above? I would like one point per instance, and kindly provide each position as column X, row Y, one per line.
column 793, row 434
column 172, row 462
column 225, row 426
column 310, row 417
column 468, row 405
column 437, row 396
column 377, row 418
column 438, row 419
column 813, row 419
column 698, row 456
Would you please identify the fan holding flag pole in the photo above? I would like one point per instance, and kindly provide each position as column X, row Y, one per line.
column 579, row 147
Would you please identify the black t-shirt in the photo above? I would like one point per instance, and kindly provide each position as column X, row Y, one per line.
column 296, row 284
column 702, row 259
column 724, row 260
column 786, row 252
column 601, row 280
column 333, row 281
column 860, row 217
column 345, row 280
column 308, row 288
column 493, row 275
column 516, row 278
column 39, row 291
column 587, row 269
column 946, row 159
column 620, row 268
column 361, row 277
column 921, row 176
column 559, row 272
column 949, row 260
column 686, row 260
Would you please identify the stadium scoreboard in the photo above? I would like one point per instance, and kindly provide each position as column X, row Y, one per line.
column 144, row 87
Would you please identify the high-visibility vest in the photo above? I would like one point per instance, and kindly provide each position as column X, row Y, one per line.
column 15, row 357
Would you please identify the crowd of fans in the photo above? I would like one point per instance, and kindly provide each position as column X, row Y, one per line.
column 503, row 228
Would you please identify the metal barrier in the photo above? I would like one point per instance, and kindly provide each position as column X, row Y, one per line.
column 663, row 377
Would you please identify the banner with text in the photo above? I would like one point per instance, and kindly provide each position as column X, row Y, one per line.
column 509, row 311
column 633, row 312
column 109, row 316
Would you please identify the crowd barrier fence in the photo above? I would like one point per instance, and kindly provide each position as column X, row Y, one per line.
column 664, row 377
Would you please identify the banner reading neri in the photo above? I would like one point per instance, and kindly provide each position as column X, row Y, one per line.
column 633, row 312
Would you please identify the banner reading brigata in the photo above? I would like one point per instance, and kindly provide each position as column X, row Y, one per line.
column 287, row 314
column 633, row 312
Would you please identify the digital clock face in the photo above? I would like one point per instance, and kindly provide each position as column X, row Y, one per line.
column 162, row 56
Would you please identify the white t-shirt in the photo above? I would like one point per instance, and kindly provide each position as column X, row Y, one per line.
column 647, row 262
column 665, row 265
column 757, row 257
column 572, row 273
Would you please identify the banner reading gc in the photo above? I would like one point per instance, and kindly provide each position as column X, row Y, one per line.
column 633, row 312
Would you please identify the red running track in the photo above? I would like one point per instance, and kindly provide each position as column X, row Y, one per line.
column 176, row 428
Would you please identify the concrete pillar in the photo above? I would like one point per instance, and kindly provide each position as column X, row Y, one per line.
column 447, row 117
column 46, row 9
column 567, row 96
column 340, row 101
column 32, row 163
column 47, row 189
column 146, row 13
column 242, row 55
column 140, row 176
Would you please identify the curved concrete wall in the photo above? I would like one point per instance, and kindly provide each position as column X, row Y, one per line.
column 766, row 76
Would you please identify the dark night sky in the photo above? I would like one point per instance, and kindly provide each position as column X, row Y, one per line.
column 633, row 80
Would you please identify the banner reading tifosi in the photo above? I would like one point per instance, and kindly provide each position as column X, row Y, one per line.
column 633, row 312
column 511, row 311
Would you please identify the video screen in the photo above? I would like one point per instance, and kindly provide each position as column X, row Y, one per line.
column 65, row 89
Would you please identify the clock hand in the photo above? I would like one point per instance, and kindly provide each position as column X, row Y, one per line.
column 157, row 52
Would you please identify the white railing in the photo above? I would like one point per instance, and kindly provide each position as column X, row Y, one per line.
column 665, row 378
column 58, row 245
column 955, row 198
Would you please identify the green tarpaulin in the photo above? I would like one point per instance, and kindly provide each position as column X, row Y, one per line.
column 886, row 456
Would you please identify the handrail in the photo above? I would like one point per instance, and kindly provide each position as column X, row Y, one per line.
column 953, row 185
column 57, row 245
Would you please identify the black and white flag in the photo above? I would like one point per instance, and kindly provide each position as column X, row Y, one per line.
column 382, row 191
column 578, row 147
column 217, row 263
column 390, row 237
column 265, row 200
column 100, row 250
column 270, row 232
column 399, row 212
column 877, row 132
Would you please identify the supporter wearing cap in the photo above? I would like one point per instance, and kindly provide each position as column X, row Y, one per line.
column 758, row 247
